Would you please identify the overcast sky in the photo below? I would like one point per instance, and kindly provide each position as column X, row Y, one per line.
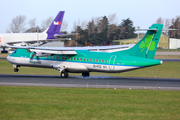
column 143, row 13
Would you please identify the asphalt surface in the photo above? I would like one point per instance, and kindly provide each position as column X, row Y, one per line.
column 91, row 82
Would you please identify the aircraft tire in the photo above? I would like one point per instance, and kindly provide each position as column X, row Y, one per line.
column 85, row 74
column 16, row 70
column 64, row 74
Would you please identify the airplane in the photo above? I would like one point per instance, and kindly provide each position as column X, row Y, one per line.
column 85, row 60
column 22, row 39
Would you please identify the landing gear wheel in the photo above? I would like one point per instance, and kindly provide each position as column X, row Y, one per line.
column 86, row 74
column 64, row 74
column 16, row 69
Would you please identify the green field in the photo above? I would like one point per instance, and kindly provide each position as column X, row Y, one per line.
column 22, row 103
column 166, row 70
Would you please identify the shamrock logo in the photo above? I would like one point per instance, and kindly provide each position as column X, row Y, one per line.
column 145, row 43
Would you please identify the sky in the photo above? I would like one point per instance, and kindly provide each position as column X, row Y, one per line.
column 143, row 13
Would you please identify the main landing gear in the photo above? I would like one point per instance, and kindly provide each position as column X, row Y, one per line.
column 64, row 74
column 86, row 74
column 16, row 68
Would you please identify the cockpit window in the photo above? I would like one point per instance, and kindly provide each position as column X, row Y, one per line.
column 14, row 51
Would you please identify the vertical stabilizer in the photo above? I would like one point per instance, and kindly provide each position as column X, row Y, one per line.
column 147, row 46
column 55, row 25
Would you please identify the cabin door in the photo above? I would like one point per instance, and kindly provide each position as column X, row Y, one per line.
column 111, row 62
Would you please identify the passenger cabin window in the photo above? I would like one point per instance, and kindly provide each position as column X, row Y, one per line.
column 77, row 58
column 90, row 60
column 83, row 59
column 74, row 58
column 96, row 60
column 80, row 59
column 71, row 58
column 105, row 61
column 102, row 60
column 93, row 60
column 87, row 59
column 68, row 58
column 99, row 60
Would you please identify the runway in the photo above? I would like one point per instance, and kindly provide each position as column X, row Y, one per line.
column 91, row 82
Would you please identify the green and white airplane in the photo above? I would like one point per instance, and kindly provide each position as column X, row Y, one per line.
column 85, row 59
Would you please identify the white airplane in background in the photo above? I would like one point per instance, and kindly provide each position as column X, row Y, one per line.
column 23, row 39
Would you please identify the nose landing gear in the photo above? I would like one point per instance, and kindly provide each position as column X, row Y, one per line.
column 16, row 68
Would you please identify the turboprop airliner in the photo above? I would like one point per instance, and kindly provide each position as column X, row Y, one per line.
column 85, row 60
column 52, row 33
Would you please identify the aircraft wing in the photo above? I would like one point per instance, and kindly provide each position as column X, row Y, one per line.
column 71, row 50
column 57, row 38
column 35, row 41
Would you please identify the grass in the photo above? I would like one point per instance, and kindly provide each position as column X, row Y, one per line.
column 166, row 70
column 3, row 55
column 90, row 104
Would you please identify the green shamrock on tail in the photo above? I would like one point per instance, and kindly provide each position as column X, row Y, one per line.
column 145, row 44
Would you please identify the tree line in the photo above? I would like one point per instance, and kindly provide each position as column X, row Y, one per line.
column 98, row 31
column 173, row 23
column 19, row 24
column 103, row 30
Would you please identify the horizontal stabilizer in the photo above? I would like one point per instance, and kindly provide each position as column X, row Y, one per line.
column 152, row 29
column 63, row 35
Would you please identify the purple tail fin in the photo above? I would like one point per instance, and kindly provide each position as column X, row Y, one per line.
column 55, row 25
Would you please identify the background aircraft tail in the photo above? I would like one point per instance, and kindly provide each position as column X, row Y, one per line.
column 55, row 25
column 147, row 46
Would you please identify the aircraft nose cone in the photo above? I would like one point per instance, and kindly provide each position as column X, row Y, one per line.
column 9, row 59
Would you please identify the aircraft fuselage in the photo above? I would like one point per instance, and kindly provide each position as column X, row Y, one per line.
column 21, row 37
column 84, row 61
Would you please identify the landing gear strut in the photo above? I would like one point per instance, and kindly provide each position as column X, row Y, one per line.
column 64, row 74
column 86, row 74
column 4, row 51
